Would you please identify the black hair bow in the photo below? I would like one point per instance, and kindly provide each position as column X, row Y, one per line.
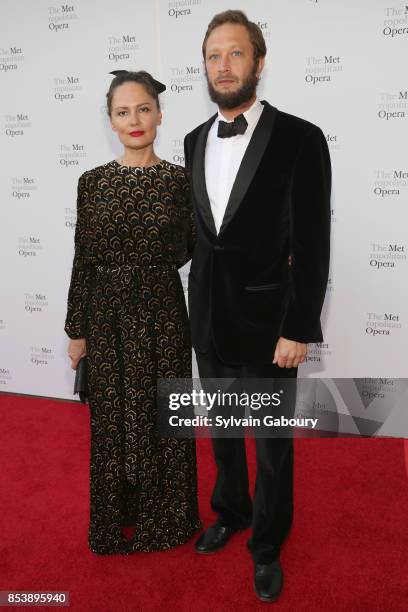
column 159, row 87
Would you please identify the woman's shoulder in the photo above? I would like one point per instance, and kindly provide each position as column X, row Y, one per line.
column 179, row 172
column 94, row 172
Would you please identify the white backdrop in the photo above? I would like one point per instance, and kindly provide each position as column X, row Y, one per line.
column 336, row 63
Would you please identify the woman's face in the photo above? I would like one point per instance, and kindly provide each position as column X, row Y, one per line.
column 134, row 115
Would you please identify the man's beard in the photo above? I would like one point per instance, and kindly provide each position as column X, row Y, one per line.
column 232, row 99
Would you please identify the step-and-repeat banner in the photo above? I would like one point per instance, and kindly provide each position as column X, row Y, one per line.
column 338, row 64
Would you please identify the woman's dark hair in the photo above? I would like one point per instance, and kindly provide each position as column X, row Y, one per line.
column 238, row 18
column 141, row 77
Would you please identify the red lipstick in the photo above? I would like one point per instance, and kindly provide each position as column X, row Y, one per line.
column 136, row 133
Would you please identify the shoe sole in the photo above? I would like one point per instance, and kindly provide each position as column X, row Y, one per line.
column 210, row 552
column 267, row 599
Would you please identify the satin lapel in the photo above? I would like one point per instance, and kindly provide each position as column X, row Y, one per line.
column 250, row 162
column 198, row 176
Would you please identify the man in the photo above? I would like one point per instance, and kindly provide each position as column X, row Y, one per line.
column 261, row 182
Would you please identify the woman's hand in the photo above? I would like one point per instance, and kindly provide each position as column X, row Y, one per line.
column 76, row 350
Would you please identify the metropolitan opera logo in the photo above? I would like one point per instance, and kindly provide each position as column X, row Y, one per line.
column 386, row 256
column 322, row 69
column 318, row 351
column 177, row 151
column 71, row 154
column 70, row 218
column 122, row 47
column 22, row 187
column 29, row 246
column 35, row 302
column 66, row 88
column 61, row 17
column 395, row 22
column 382, row 324
column 373, row 388
column 393, row 105
column 10, row 58
column 41, row 355
column 181, row 8
column 5, row 376
column 389, row 183
column 16, row 125
column 350, row 405
column 183, row 79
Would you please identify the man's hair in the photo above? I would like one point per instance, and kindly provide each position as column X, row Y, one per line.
column 238, row 18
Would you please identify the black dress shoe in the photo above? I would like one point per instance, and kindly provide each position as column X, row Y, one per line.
column 268, row 580
column 214, row 538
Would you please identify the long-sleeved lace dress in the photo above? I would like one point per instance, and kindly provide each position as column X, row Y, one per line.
column 134, row 229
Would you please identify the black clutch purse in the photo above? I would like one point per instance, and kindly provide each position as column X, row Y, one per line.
column 81, row 380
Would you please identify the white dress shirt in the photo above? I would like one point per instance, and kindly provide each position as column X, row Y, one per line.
column 223, row 158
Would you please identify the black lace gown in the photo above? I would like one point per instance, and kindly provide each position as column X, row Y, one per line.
column 134, row 230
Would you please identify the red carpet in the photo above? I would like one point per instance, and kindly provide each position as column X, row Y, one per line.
column 347, row 549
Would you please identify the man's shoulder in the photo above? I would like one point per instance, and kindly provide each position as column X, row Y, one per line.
column 297, row 125
column 195, row 132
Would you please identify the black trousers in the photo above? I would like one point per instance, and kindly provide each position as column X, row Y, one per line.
column 271, row 511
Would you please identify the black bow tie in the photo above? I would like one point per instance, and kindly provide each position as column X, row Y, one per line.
column 238, row 126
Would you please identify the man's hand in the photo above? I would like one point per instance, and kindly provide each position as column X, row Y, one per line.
column 289, row 354
column 76, row 350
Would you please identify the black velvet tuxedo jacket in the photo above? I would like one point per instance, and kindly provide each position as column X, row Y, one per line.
column 243, row 294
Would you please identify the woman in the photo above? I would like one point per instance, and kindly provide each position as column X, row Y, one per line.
column 127, row 313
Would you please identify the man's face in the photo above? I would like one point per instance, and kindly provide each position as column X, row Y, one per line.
column 232, row 74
